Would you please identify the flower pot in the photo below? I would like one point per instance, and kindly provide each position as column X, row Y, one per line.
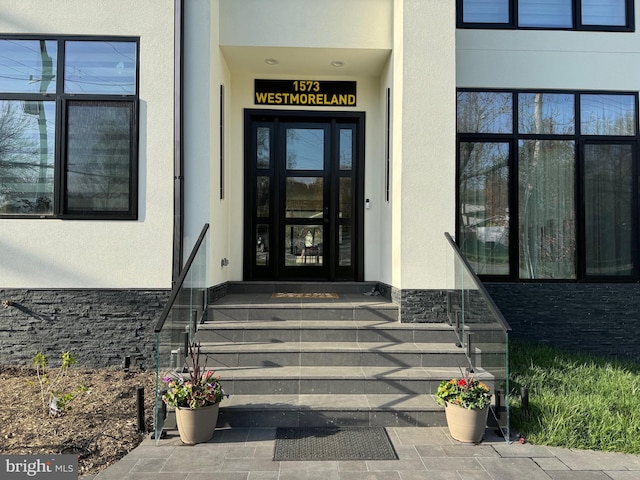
column 196, row 425
column 466, row 425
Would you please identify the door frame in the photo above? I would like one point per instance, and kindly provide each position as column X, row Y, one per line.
column 251, row 271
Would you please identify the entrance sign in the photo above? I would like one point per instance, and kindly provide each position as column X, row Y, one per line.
column 308, row 93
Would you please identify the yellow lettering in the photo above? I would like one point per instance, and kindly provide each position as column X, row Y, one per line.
column 312, row 96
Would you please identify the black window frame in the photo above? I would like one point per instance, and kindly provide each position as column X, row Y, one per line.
column 62, row 100
column 580, row 139
column 576, row 21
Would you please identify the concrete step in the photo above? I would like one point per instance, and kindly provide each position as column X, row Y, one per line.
column 329, row 354
column 270, row 287
column 302, row 410
column 272, row 381
column 317, row 361
column 362, row 331
column 263, row 306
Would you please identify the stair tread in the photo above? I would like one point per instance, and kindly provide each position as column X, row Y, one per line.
column 343, row 372
column 319, row 324
column 340, row 402
column 325, row 361
column 374, row 347
column 267, row 301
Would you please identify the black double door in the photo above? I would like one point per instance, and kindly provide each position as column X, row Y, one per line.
column 303, row 194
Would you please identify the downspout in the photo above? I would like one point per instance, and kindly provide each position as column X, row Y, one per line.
column 178, row 149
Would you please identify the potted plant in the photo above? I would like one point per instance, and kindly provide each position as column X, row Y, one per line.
column 466, row 401
column 196, row 397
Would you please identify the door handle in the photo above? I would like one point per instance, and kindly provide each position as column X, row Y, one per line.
column 326, row 215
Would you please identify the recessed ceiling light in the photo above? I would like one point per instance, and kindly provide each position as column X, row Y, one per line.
column 271, row 61
column 337, row 63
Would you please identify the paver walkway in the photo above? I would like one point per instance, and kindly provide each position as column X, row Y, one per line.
column 424, row 453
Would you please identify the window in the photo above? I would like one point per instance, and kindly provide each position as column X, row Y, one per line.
column 547, row 184
column 549, row 14
column 68, row 128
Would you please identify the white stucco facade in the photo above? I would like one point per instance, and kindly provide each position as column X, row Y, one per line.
column 411, row 47
column 383, row 45
column 58, row 254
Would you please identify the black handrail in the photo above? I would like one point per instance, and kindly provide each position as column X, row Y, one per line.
column 178, row 285
column 483, row 291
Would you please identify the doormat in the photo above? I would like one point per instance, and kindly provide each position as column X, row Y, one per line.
column 333, row 443
column 305, row 295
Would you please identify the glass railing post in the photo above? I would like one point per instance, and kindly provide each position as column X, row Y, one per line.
column 483, row 333
column 470, row 352
column 158, row 418
column 178, row 324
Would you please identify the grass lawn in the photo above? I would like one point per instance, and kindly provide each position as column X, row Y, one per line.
column 575, row 400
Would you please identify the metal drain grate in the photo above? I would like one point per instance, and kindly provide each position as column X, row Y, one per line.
column 333, row 443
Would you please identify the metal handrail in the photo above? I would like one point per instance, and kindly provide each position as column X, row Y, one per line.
column 178, row 285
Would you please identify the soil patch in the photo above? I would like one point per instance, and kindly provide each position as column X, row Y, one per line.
column 100, row 428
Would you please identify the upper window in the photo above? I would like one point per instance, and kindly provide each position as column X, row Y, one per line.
column 549, row 14
column 68, row 128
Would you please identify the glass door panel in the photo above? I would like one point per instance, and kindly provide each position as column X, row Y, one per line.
column 304, row 197
column 262, row 245
column 305, row 149
column 346, row 149
column 303, row 245
column 263, row 140
column 344, row 246
column 303, row 189
column 345, row 201
column 306, row 167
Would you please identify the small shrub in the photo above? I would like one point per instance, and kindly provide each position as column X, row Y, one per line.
column 55, row 400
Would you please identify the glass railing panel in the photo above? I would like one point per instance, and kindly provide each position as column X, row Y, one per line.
column 482, row 332
column 177, row 326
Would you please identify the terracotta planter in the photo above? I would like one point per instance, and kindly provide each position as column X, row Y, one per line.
column 466, row 425
column 196, row 425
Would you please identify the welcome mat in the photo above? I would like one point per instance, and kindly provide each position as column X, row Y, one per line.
column 333, row 443
column 305, row 295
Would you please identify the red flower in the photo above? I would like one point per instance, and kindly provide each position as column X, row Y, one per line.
column 462, row 382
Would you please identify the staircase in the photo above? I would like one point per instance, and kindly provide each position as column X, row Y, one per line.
column 343, row 361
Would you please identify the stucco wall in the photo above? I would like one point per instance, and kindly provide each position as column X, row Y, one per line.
column 427, row 189
column 307, row 23
column 548, row 59
column 104, row 254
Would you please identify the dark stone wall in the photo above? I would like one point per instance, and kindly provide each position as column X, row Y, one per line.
column 598, row 318
column 422, row 306
column 98, row 327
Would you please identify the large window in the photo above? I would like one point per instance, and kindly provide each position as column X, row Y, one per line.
column 68, row 128
column 556, row 14
column 548, row 184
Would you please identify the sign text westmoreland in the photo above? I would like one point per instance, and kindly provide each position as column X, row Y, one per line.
column 305, row 92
